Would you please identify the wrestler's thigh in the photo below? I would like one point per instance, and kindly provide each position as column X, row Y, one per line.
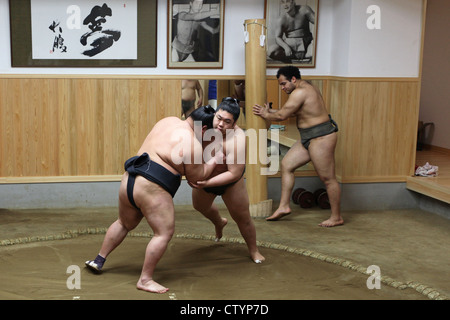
column 321, row 151
column 202, row 200
column 236, row 200
column 296, row 157
column 129, row 216
column 158, row 209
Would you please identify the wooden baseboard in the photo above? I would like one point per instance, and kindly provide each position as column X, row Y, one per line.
column 373, row 179
column 429, row 147
column 61, row 179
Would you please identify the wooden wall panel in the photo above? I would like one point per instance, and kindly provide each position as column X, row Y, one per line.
column 378, row 129
column 57, row 127
column 64, row 129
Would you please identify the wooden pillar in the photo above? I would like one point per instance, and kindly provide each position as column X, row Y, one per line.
column 255, row 93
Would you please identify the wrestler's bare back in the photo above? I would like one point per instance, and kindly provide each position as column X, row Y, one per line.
column 166, row 136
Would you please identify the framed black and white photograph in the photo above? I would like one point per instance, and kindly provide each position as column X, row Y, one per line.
column 291, row 32
column 83, row 33
column 195, row 34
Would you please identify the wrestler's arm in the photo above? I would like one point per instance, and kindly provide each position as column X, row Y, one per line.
column 197, row 172
column 294, row 102
column 310, row 14
column 194, row 168
column 235, row 160
column 279, row 32
column 200, row 15
column 233, row 174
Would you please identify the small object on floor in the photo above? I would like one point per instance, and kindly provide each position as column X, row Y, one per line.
column 277, row 127
column 427, row 170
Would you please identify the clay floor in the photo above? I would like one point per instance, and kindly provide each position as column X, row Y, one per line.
column 303, row 261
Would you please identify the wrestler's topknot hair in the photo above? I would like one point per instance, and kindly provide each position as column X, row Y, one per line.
column 230, row 105
column 204, row 114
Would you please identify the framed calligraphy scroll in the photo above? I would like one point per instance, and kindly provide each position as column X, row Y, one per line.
column 83, row 33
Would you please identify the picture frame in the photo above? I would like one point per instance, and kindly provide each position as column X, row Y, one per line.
column 301, row 40
column 55, row 31
column 202, row 45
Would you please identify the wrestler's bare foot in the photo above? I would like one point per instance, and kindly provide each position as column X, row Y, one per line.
column 219, row 229
column 151, row 286
column 332, row 222
column 280, row 213
column 257, row 257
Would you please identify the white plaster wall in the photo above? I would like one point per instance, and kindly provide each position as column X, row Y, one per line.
column 345, row 46
column 340, row 40
column 393, row 50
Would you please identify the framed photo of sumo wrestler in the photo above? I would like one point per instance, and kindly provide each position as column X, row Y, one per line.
column 291, row 32
column 83, row 33
column 195, row 34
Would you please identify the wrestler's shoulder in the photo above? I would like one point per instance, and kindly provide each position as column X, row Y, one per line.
column 304, row 86
column 305, row 9
column 170, row 120
column 171, row 124
column 300, row 91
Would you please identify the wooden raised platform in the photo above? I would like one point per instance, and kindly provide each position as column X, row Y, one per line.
column 435, row 187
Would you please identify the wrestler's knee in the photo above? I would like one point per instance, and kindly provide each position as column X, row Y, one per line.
column 127, row 224
column 240, row 213
column 328, row 181
column 168, row 233
column 163, row 230
column 286, row 166
column 243, row 220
